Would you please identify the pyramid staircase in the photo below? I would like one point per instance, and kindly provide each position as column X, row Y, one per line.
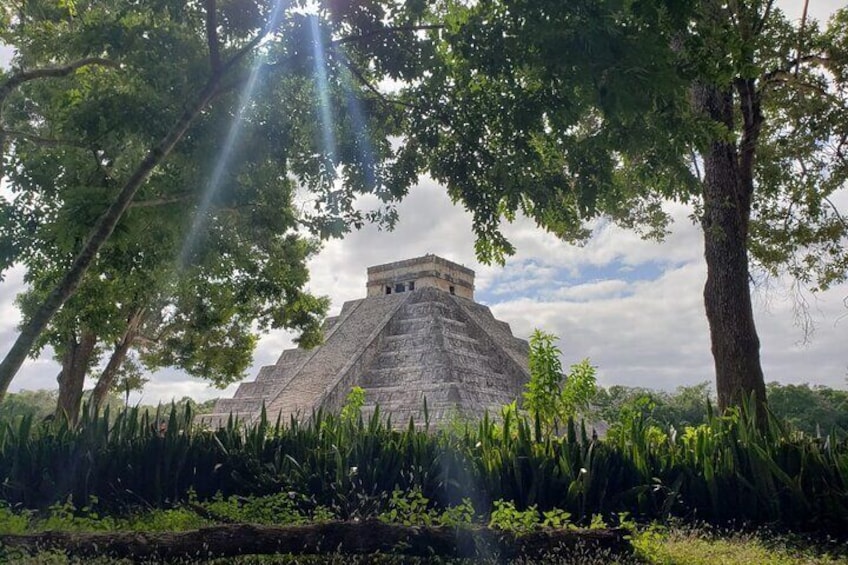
column 433, row 350
column 400, row 348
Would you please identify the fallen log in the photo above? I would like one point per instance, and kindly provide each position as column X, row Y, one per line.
column 368, row 537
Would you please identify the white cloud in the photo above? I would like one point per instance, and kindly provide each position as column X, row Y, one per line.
column 593, row 290
column 655, row 336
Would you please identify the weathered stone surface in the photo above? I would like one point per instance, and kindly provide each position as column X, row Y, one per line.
column 401, row 348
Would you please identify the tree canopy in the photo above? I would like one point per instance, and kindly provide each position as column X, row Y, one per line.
column 578, row 112
column 155, row 152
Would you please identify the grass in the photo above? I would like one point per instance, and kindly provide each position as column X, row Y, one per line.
column 706, row 546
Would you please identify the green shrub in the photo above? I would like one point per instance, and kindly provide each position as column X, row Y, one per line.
column 726, row 470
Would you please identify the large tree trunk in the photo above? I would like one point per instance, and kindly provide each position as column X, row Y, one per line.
column 75, row 364
column 119, row 355
column 727, row 193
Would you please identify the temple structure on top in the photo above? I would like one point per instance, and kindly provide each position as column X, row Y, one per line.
column 422, row 272
column 418, row 334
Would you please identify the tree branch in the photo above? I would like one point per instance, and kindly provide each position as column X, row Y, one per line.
column 348, row 39
column 758, row 27
column 801, row 31
column 98, row 236
column 159, row 201
column 357, row 74
column 117, row 359
column 248, row 47
column 146, row 341
column 383, row 31
column 794, row 64
column 698, row 174
column 39, row 140
column 21, row 77
column 212, row 36
column 836, row 213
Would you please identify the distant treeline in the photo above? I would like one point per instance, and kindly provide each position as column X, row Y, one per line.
column 41, row 404
column 812, row 409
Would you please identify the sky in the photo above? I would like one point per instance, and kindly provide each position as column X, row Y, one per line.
column 633, row 307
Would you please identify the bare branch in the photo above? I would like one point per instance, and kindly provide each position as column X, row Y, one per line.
column 212, row 36
column 698, row 174
column 836, row 213
column 786, row 77
column 802, row 318
column 146, row 341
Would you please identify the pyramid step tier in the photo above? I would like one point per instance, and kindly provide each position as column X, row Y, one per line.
column 400, row 348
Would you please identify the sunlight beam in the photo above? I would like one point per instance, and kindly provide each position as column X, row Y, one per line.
column 213, row 185
column 325, row 116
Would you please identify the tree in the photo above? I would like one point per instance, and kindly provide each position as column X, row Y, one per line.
column 569, row 112
column 245, row 267
column 115, row 109
column 551, row 396
column 542, row 397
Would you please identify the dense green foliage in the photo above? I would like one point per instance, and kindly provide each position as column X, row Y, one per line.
column 572, row 111
column 687, row 406
column 36, row 404
column 815, row 410
column 812, row 409
column 654, row 544
column 152, row 151
column 589, row 112
column 551, row 396
column 723, row 471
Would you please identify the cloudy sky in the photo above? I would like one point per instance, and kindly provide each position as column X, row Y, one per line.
column 634, row 308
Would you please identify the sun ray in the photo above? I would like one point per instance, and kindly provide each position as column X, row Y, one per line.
column 325, row 115
column 213, row 185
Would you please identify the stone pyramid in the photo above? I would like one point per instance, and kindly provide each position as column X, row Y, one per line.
column 418, row 334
